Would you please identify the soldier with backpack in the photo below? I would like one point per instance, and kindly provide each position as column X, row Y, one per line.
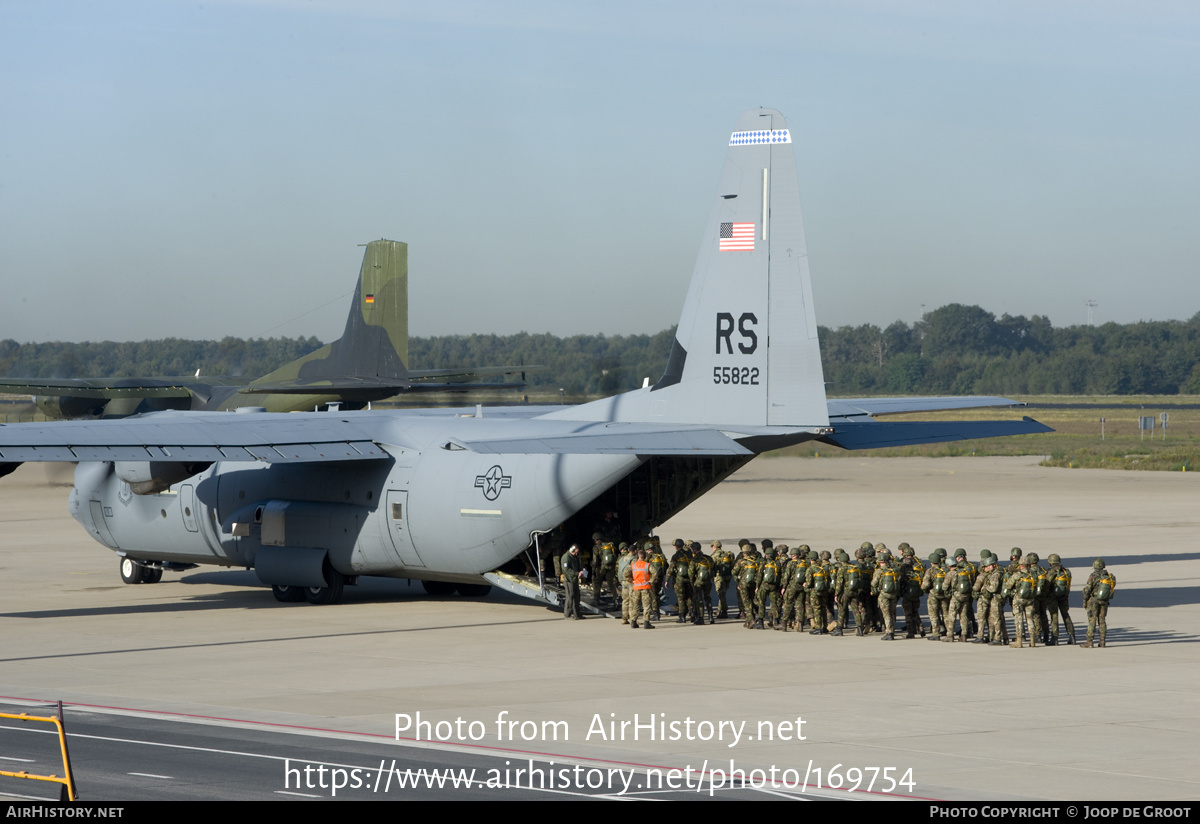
column 604, row 572
column 658, row 574
column 911, row 573
column 960, row 579
column 991, row 605
column 770, row 573
column 1022, row 586
column 1060, row 597
column 938, row 600
column 850, row 588
column 722, row 574
column 885, row 586
column 679, row 575
column 702, row 578
column 1097, row 594
column 818, row 586
column 745, row 573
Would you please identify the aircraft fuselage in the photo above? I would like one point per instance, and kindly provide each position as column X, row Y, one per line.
column 430, row 514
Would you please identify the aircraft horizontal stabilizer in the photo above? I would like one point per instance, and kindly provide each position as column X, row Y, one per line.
column 860, row 407
column 870, row 434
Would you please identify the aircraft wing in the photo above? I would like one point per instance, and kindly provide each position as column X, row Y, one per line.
column 98, row 388
column 194, row 437
column 861, row 407
column 557, row 437
column 459, row 375
column 347, row 387
column 368, row 389
column 301, row 437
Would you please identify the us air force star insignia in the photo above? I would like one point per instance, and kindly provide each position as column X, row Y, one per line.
column 492, row 482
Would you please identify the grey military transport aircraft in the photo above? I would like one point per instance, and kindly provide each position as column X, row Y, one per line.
column 367, row 363
column 313, row 500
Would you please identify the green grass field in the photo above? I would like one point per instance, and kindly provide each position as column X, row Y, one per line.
column 1076, row 441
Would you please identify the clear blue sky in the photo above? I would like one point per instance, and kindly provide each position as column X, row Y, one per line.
column 201, row 169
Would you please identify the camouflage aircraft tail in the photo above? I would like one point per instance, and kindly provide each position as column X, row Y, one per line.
column 373, row 348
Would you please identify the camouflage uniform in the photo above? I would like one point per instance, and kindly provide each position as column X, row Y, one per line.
column 853, row 580
column 987, row 587
column 658, row 572
column 779, row 596
column 1060, row 599
column 745, row 573
column 642, row 587
column 793, row 578
column 679, row 575
column 818, row 586
column 767, row 587
column 910, row 594
column 871, row 604
column 981, row 599
column 960, row 579
column 702, row 578
column 604, row 572
column 626, row 558
column 1014, row 564
column 937, row 602
column 885, row 586
column 1097, row 594
column 722, row 574
column 1021, row 587
column 1041, row 592
column 743, row 549
column 971, row 626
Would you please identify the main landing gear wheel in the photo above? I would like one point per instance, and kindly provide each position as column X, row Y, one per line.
column 151, row 575
column 287, row 595
column 438, row 587
column 131, row 571
column 474, row 590
column 331, row 594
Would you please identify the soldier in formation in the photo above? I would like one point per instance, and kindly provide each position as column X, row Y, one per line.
column 641, row 585
column 828, row 592
column 722, row 574
column 1097, row 595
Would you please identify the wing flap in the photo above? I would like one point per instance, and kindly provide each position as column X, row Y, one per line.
column 666, row 442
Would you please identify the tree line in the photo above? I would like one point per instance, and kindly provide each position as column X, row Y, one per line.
column 953, row 350
column 170, row 357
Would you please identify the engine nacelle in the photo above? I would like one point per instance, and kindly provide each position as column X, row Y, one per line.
column 66, row 407
column 152, row 477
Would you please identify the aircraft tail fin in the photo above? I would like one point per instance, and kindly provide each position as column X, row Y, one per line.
column 746, row 350
column 374, row 343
